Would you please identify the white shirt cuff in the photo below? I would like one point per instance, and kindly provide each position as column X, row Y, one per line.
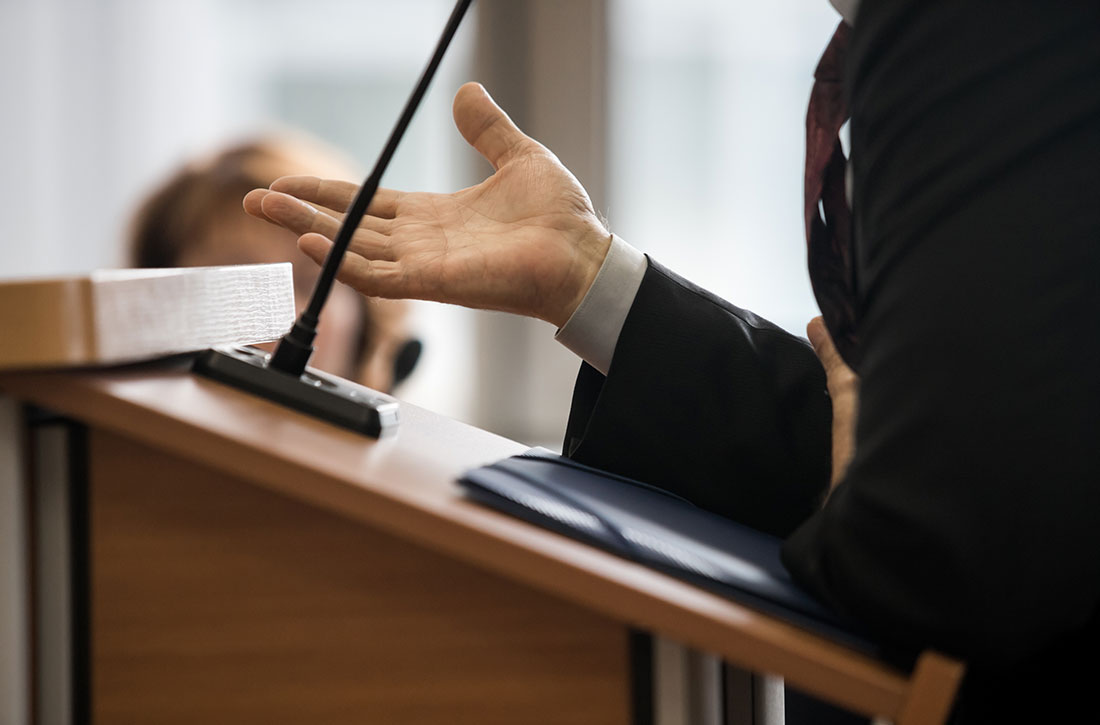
column 592, row 331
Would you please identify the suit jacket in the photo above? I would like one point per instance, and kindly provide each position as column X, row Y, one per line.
column 969, row 519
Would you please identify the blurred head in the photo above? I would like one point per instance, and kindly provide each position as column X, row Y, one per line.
column 195, row 219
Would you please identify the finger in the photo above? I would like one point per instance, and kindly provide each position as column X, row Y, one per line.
column 486, row 127
column 364, row 244
column 302, row 218
column 337, row 195
column 253, row 203
column 298, row 216
column 823, row 344
column 372, row 277
column 372, row 245
column 315, row 246
column 840, row 378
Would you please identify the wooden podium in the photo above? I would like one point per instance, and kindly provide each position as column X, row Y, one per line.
column 199, row 555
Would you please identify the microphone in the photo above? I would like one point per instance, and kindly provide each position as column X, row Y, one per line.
column 282, row 376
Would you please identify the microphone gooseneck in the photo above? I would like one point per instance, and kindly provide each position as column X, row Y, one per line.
column 295, row 348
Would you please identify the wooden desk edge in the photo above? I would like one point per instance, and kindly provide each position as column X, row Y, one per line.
column 520, row 551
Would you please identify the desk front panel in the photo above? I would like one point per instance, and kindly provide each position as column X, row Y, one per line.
column 215, row 601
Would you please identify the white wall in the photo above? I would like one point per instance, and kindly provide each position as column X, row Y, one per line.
column 94, row 104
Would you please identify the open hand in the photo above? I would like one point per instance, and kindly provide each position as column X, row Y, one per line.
column 525, row 240
column 843, row 387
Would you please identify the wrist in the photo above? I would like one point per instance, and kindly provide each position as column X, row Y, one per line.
column 590, row 251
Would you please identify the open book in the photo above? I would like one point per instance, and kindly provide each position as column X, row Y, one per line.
column 123, row 315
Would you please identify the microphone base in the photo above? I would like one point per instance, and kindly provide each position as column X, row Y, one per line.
column 323, row 396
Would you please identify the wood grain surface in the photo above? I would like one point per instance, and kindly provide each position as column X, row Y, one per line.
column 215, row 601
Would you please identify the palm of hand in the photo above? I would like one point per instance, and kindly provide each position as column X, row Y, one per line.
column 511, row 243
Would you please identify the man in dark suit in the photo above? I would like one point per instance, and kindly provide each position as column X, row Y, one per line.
column 968, row 518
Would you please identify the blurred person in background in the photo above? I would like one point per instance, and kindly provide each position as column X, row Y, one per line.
column 195, row 219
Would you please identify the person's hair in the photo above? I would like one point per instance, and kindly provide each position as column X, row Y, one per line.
column 183, row 210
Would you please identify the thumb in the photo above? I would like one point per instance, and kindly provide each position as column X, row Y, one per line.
column 823, row 346
column 486, row 127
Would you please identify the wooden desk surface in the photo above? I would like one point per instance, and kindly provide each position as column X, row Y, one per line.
column 404, row 485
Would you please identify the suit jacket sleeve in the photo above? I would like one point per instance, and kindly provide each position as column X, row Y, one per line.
column 711, row 402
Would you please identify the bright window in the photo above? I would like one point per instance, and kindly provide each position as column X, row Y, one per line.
column 707, row 133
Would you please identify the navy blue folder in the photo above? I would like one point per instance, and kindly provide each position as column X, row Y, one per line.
column 656, row 528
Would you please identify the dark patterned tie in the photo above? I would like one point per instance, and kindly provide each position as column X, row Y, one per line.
column 828, row 239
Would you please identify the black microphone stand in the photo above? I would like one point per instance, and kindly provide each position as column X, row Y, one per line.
column 282, row 376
